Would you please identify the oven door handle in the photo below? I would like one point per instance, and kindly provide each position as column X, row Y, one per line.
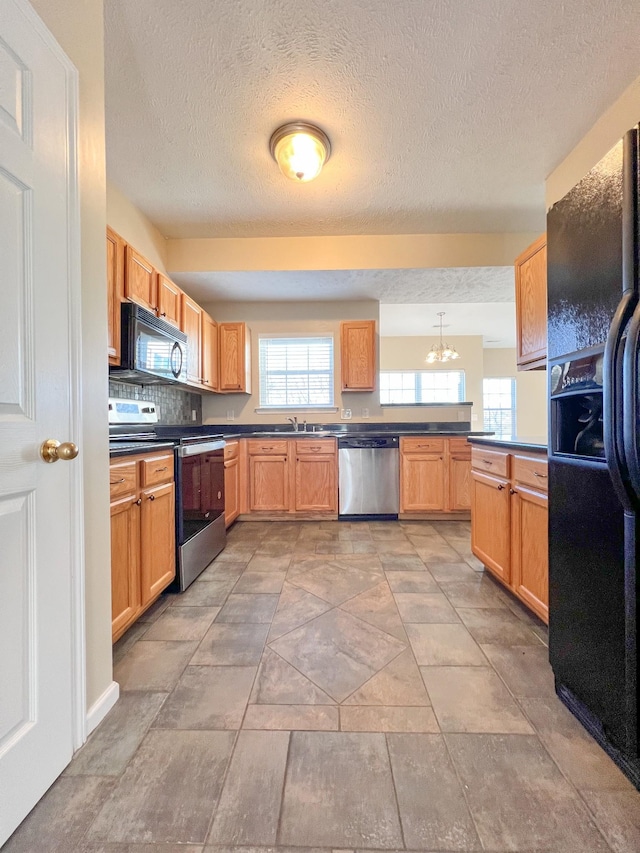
column 200, row 448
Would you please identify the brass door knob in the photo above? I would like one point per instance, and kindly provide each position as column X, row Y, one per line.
column 52, row 450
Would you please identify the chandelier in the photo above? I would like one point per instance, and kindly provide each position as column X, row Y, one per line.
column 441, row 351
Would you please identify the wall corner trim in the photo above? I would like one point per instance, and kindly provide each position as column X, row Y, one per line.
column 101, row 707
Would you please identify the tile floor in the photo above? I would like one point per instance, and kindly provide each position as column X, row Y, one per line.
column 328, row 686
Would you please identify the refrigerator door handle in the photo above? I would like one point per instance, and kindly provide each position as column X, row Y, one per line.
column 631, row 404
column 614, row 400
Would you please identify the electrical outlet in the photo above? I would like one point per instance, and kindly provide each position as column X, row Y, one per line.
column 365, row 412
column 231, row 415
column 474, row 418
column 462, row 415
column 345, row 414
column 194, row 415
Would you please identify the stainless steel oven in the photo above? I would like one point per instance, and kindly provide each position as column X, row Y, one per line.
column 200, row 527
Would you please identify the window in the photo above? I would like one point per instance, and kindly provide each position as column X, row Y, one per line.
column 408, row 387
column 296, row 372
column 500, row 405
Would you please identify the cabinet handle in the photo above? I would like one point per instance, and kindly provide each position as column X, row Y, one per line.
column 163, row 313
column 115, row 482
column 156, row 309
column 139, row 502
column 158, row 470
column 542, row 476
column 512, row 492
column 152, row 497
column 500, row 487
column 316, row 449
column 487, row 462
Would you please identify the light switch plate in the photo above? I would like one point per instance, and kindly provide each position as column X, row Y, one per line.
column 345, row 414
column 231, row 415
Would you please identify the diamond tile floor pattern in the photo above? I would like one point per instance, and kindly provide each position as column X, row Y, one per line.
column 337, row 686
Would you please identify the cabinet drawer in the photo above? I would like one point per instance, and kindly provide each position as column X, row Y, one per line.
column 308, row 446
column 231, row 450
column 460, row 446
column 490, row 461
column 266, row 447
column 531, row 471
column 157, row 469
column 422, row 445
column 122, row 478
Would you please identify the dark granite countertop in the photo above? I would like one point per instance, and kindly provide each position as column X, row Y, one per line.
column 370, row 433
column 134, row 447
column 536, row 444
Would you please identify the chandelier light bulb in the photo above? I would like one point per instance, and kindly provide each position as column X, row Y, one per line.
column 441, row 351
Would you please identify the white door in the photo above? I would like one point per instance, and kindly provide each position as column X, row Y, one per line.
column 38, row 501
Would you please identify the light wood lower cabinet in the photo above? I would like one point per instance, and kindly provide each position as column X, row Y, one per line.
column 231, row 482
column 435, row 475
column 142, row 534
column 490, row 523
column 315, row 476
column 289, row 476
column 509, row 522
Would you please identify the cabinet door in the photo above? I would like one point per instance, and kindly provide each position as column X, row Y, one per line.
column 115, row 292
column 268, row 483
column 169, row 301
column 140, row 280
column 358, row 355
column 158, row 540
column 125, row 565
column 460, row 481
column 231, row 491
column 422, row 482
column 209, row 352
column 531, row 305
column 235, row 357
column 191, row 326
column 490, row 523
column 316, row 488
column 530, row 549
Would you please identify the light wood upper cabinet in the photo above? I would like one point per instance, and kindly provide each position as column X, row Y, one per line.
column 115, row 292
column 169, row 301
column 358, row 355
column 191, row 325
column 235, row 357
column 531, row 305
column 140, row 280
column 210, row 371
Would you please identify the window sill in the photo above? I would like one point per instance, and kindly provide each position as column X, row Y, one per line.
column 421, row 405
column 275, row 410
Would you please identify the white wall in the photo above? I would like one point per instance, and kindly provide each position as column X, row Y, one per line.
column 531, row 391
column 134, row 227
column 79, row 29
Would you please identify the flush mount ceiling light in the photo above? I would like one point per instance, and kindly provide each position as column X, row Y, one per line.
column 300, row 149
column 441, row 351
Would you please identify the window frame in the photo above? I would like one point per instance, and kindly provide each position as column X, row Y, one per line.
column 265, row 406
column 419, row 389
column 488, row 411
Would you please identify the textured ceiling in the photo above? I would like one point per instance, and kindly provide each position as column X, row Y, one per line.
column 467, row 284
column 444, row 116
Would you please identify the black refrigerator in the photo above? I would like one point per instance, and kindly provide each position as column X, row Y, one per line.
column 594, row 470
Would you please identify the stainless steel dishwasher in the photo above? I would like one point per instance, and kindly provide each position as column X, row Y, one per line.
column 368, row 477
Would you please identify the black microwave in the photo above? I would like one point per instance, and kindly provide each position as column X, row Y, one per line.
column 152, row 350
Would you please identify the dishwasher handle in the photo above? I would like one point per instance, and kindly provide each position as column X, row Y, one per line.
column 379, row 443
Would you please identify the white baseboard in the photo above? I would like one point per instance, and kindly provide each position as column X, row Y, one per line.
column 101, row 707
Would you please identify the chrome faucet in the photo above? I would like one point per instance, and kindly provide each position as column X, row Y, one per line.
column 294, row 423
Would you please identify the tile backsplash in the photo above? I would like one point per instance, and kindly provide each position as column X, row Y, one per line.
column 175, row 406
